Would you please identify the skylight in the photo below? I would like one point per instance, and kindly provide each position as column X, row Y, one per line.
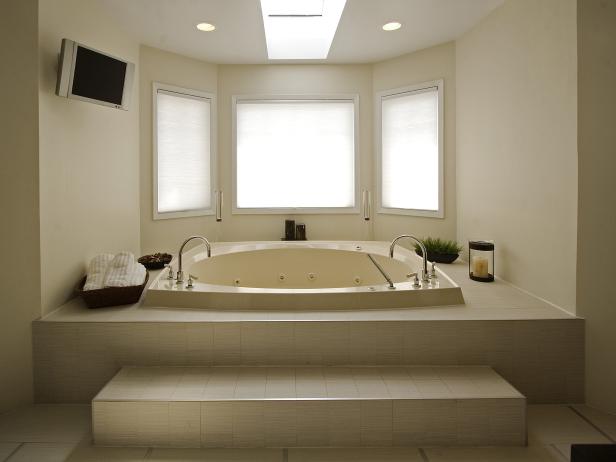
column 300, row 29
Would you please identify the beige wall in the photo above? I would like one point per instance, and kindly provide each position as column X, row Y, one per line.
column 19, row 201
column 434, row 63
column 516, row 143
column 161, row 66
column 596, row 291
column 89, row 155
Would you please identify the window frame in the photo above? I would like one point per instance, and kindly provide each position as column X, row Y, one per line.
column 269, row 98
column 195, row 94
column 378, row 147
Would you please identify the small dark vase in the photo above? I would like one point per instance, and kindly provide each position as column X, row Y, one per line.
column 437, row 257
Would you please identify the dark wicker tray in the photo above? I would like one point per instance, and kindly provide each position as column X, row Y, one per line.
column 110, row 296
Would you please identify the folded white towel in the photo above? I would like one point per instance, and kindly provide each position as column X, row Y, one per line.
column 123, row 271
column 137, row 275
column 96, row 271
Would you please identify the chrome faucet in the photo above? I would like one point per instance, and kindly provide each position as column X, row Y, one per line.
column 180, row 273
column 425, row 275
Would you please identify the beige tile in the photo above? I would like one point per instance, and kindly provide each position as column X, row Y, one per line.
column 216, row 455
column 389, row 343
column 399, row 383
column 606, row 422
column 160, row 383
column 251, row 383
column 6, row 449
column 43, row 452
column 173, row 343
column 503, row 454
column 248, row 424
column 376, row 423
column 280, row 419
column 280, row 382
column 89, row 453
column 152, row 424
column 369, row 383
column 310, row 382
column 340, row 382
column 344, row 423
column 561, row 450
column 417, row 422
column 428, row 383
column 44, row 423
column 146, row 344
column 363, row 343
column 221, row 384
column 185, row 424
column 355, row 455
column 199, row 344
column 116, row 423
column 192, row 383
column 227, row 343
column 217, row 424
column 557, row 424
column 255, row 343
column 312, row 423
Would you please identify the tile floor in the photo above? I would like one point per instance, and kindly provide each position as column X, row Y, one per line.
column 56, row 433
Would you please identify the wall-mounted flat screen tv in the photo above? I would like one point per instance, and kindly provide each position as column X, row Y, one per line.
column 90, row 75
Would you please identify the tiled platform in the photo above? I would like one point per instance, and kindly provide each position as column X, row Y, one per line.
column 535, row 346
column 55, row 433
column 308, row 406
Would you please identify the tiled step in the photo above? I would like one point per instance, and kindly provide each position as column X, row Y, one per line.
column 308, row 406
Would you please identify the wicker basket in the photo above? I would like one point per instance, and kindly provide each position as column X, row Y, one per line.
column 110, row 296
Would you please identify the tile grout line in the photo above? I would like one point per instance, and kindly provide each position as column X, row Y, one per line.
column 559, row 452
column 592, row 424
column 14, row 451
column 423, row 455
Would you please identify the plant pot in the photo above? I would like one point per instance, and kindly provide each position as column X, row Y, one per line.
column 437, row 257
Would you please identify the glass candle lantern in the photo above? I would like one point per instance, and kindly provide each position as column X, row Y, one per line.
column 481, row 260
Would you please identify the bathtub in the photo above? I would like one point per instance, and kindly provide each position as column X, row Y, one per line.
column 310, row 275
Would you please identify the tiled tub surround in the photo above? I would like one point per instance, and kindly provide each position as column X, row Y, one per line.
column 308, row 406
column 536, row 347
column 302, row 275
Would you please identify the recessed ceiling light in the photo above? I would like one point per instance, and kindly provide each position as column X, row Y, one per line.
column 206, row 27
column 300, row 29
column 392, row 26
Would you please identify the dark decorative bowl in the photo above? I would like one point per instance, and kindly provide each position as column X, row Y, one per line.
column 155, row 261
column 437, row 257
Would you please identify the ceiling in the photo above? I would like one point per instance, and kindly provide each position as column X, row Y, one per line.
column 240, row 39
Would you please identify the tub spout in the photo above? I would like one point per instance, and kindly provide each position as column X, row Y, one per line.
column 425, row 275
column 180, row 274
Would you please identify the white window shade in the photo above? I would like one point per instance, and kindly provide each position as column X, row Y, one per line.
column 410, row 151
column 295, row 154
column 183, row 157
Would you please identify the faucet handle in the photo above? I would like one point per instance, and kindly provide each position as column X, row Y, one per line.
column 169, row 271
column 415, row 277
column 433, row 272
column 189, row 284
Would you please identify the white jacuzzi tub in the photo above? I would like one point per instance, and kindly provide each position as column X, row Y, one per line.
column 302, row 276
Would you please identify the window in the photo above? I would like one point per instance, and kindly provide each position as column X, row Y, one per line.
column 295, row 154
column 410, row 161
column 184, row 152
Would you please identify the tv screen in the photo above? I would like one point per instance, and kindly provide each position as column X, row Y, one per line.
column 93, row 76
column 97, row 76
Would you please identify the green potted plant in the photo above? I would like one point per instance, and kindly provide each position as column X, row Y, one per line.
column 440, row 250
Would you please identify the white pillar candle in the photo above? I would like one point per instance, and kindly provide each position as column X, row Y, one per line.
column 480, row 267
